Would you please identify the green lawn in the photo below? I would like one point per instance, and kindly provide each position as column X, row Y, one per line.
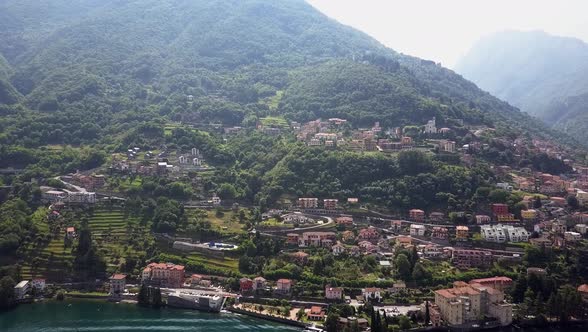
column 227, row 224
column 272, row 121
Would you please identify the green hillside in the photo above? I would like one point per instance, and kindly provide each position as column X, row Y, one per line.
column 94, row 64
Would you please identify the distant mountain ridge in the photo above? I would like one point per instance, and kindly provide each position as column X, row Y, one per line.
column 534, row 71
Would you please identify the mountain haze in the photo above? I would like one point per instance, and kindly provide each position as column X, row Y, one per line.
column 541, row 74
column 103, row 61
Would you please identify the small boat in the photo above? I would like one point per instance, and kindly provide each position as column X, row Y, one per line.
column 313, row 328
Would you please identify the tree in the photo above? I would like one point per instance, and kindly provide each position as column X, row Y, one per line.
column 227, row 191
column 300, row 314
column 143, row 297
column 519, row 289
column 537, row 202
column 419, row 274
column 573, row 202
column 403, row 267
column 331, row 322
column 427, row 313
column 413, row 162
column 404, row 322
column 156, row 298
column 7, row 297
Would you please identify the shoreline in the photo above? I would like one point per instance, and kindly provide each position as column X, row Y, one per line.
column 266, row 317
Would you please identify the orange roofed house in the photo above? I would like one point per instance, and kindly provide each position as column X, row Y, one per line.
column 117, row 285
column 164, row 275
column 316, row 313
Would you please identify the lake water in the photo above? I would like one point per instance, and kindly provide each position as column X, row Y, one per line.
column 91, row 316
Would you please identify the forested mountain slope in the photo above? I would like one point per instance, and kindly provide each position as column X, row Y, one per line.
column 108, row 65
column 534, row 71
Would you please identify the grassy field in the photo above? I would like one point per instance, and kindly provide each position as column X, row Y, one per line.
column 227, row 224
column 226, row 263
column 272, row 121
column 223, row 265
column 274, row 101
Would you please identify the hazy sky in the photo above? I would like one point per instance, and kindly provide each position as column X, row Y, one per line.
column 444, row 30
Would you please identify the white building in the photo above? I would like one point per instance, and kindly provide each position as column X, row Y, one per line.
column 503, row 233
column 581, row 228
column 504, row 186
column 572, row 236
column 80, row 197
column 21, row 289
column 431, row 127
column 371, row 293
column 582, row 197
column 39, row 284
column 417, row 230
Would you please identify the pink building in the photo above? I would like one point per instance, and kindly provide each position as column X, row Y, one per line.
column 164, row 274
column 416, row 215
column 333, row 293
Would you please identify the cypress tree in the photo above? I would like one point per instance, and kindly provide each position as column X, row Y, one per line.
column 427, row 313
column 157, row 302
column 143, row 298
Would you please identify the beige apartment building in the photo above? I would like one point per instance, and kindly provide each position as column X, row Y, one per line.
column 466, row 303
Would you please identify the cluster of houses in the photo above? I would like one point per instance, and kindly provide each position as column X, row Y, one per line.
column 334, row 133
column 89, row 182
column 331, row 133
column 161, row 164
column 462, row 304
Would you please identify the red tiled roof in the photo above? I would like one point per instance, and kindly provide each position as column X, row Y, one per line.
column 315, row 309
column 493, row 279
column 118, row 276
column 583, row 288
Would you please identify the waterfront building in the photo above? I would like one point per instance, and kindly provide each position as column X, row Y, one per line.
column 164, row 275
column 316, row 313
column 117, row 285
column 245, row 285
column 21, row 289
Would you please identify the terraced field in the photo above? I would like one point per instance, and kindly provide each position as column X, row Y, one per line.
column 51, row 262
column 113, row 231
